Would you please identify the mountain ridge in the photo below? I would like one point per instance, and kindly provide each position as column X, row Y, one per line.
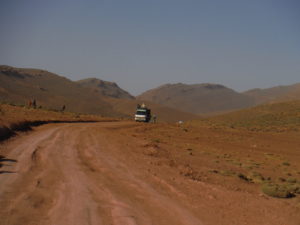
column 93, row 95
column 106, row 88
column 276, row 93
column 52, row 91
column 197, row 98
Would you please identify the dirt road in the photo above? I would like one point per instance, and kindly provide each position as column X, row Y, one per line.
column 100, row 173
column 75, row 174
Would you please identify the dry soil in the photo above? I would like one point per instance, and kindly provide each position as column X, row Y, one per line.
column 120, row 173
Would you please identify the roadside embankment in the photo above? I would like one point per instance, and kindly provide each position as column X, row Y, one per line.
column 15, row 119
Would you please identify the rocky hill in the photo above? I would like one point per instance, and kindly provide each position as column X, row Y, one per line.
column 275, row 94
column 94, row 96
column 105, row 88
column 50, row 90
column 91, row 96
column 198, row 98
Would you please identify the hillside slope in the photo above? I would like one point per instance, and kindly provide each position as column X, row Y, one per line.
column 275, row 94
column 105, row 88
column 268, row 117
column 52, row 91
column 197, row 98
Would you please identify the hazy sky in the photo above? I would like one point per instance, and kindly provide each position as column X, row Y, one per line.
column 141, row 44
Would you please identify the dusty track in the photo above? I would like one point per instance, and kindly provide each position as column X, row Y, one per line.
column 73, row 174
column 108, row 174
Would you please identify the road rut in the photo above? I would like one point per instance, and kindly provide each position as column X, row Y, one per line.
column 77, row 174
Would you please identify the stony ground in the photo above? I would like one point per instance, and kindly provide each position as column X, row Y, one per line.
column 131, row 173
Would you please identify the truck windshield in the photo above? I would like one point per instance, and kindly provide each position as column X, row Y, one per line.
column 141, row 112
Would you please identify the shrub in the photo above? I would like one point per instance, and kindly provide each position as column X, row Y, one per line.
column 286, row 164
column 293, row 188
column 256, row 177
column 281, row 179
column 227, row 173
column 277, row 191
column 291, row 180
column 243, row 177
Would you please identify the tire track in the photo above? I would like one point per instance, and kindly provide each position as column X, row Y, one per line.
column 145, row 203
column 32, row 185
column 73, row 175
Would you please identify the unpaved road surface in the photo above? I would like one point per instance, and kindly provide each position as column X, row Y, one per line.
column 94, row 174
column 75, row 175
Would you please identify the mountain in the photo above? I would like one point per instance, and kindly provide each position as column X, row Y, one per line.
column 275, row 94
column 170, row 102
column 198, row 98
column 105, row 88
column 92, row 96
column 50, row 91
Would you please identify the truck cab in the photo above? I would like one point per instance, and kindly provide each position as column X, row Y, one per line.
column 142, row 114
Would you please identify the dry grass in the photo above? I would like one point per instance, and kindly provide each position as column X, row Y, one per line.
column 239, row 158
column 280, row 117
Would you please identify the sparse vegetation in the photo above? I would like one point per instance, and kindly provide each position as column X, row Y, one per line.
column 243, row 177
column 291, row 180
column 281, row 190
column 286, row 163
column 237, row 157
column 157, row 140
column 278, row 117
column 256, row 177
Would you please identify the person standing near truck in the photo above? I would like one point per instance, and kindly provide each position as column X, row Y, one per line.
column 154, row 118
